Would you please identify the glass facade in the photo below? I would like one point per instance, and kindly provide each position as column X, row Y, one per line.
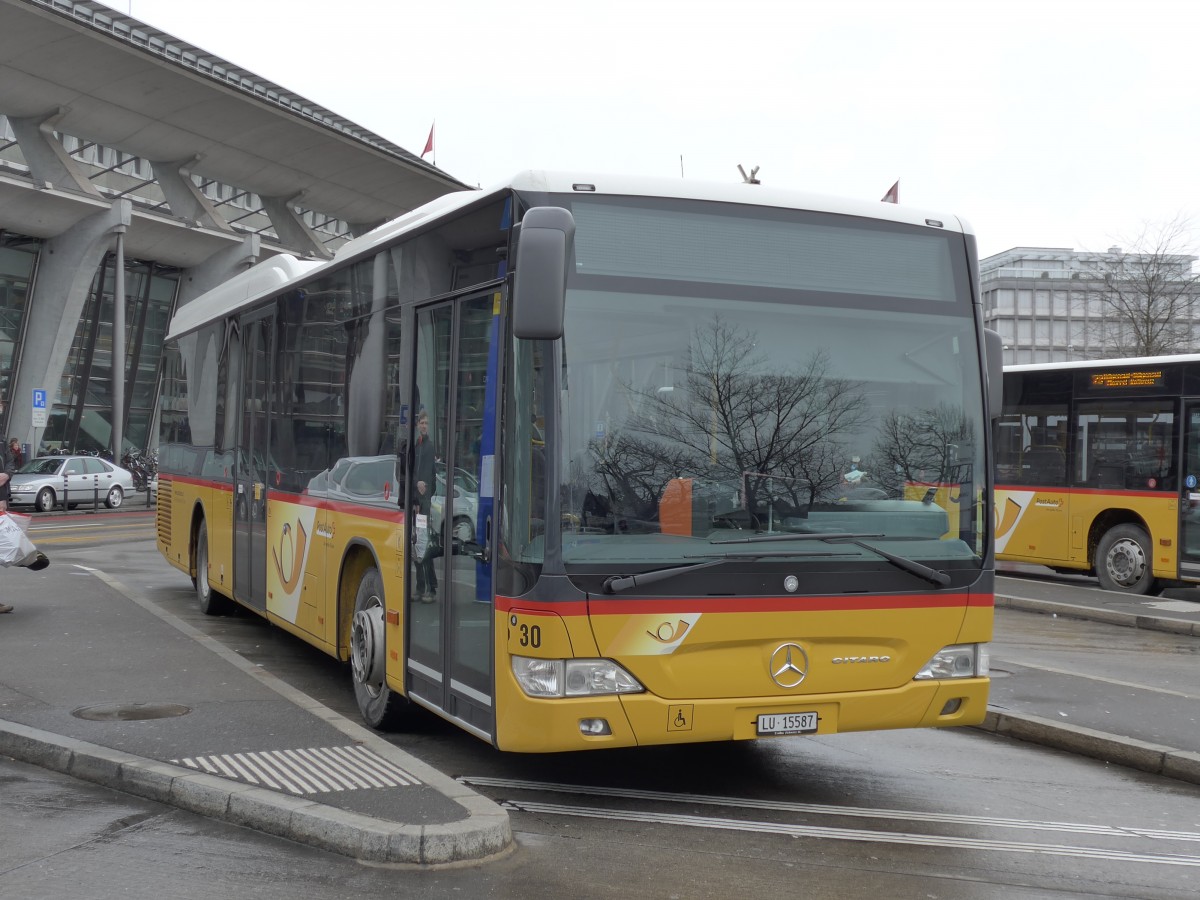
column 81, row 409
column 18, row 259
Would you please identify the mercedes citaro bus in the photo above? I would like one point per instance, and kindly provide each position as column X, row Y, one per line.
column 563, row 462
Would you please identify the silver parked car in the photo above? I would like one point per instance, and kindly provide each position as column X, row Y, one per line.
column 67, row 481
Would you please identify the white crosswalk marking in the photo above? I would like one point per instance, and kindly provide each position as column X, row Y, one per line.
column 313, row 770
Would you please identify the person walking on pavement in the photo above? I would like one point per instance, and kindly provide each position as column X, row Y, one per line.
column 8, row 468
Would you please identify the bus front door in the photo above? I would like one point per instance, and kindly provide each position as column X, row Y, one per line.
column 1189, row 506
column 449, row 575
column 250, row 465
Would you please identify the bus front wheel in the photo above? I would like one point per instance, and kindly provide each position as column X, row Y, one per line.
column 1123, row 560
column 380, row 706
column 211, row 603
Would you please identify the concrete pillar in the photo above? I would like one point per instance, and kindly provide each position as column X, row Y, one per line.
column 187, row 201
column 219, row 267
column 50, row 165
column 292, row 231
column 117, row 437
column 66, row 268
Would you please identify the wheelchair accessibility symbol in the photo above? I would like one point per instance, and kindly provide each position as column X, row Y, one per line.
column 679, row 717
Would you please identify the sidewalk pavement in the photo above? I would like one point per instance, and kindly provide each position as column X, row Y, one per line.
column 122, row 693
column 1030, row 708
column 207, row 731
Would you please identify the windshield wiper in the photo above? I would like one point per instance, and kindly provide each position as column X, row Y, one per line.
column 616, row 583
column 934, row 576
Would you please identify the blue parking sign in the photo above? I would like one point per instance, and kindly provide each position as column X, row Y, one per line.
column 39, row 398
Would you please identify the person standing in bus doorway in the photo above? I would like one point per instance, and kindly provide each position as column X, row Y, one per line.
column 424, row 476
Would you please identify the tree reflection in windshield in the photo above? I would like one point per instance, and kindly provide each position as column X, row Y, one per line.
column 755, row 442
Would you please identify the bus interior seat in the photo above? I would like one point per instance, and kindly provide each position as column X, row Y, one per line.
column 1108, row 473
column 1045, row 465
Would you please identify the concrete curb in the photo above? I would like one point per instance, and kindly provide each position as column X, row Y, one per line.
column 1156, row 759
column 1106, row 616
column 486, row 833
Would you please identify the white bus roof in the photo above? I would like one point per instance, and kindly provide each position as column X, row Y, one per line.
column 257, row 281
column 1128, row 362
column 275, row 273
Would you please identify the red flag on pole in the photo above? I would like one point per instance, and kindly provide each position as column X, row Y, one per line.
column 892, row 196
column 429, row 145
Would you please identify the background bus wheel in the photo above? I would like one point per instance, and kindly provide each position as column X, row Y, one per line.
column 1123, row 561
column 211, row 603
column 381, row 707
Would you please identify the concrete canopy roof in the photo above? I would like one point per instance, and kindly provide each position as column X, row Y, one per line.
column 118, row 82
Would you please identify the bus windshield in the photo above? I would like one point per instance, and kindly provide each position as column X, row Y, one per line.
column 729, row 371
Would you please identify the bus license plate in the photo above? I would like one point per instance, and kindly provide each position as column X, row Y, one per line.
column 787, row 723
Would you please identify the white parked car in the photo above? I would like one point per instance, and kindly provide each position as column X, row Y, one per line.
column 466, row 502
column 68, row 481
column 372, row 479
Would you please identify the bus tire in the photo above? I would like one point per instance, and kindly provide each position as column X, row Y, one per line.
column 1124, row 562
column 380, row 706
column 211, row 602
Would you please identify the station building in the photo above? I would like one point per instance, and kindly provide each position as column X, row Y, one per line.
column 136, row 166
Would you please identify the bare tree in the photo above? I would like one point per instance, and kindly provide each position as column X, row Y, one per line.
column 924, row 446
column 1149, row 292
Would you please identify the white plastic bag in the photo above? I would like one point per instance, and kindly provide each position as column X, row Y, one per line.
column 15, row 548
column 420, row 537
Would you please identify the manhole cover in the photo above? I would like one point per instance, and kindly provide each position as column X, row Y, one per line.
column 129, row 712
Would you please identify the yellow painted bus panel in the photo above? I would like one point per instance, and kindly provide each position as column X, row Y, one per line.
column 528, row 725
column 977, row 626
column 1056, row 528
column 708, row 675
column 727, row 654
column 536, row 633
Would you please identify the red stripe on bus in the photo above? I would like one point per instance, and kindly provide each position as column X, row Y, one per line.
column 384, row 514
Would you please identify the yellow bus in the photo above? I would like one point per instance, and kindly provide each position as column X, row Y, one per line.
column 567, row 462
column 1096, row 470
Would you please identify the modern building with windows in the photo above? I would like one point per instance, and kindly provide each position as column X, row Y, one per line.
column 1048, row 303
column 134, row 165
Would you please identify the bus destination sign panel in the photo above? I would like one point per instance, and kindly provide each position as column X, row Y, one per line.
column 1128, row 378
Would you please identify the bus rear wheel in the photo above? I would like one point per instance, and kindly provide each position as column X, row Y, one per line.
column 1123, row 560
column 380, row 706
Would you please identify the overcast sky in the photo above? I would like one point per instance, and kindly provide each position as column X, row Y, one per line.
column 1053, row 123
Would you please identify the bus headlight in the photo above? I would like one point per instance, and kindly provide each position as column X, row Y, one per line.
column 956, row 661
column 572, row 677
